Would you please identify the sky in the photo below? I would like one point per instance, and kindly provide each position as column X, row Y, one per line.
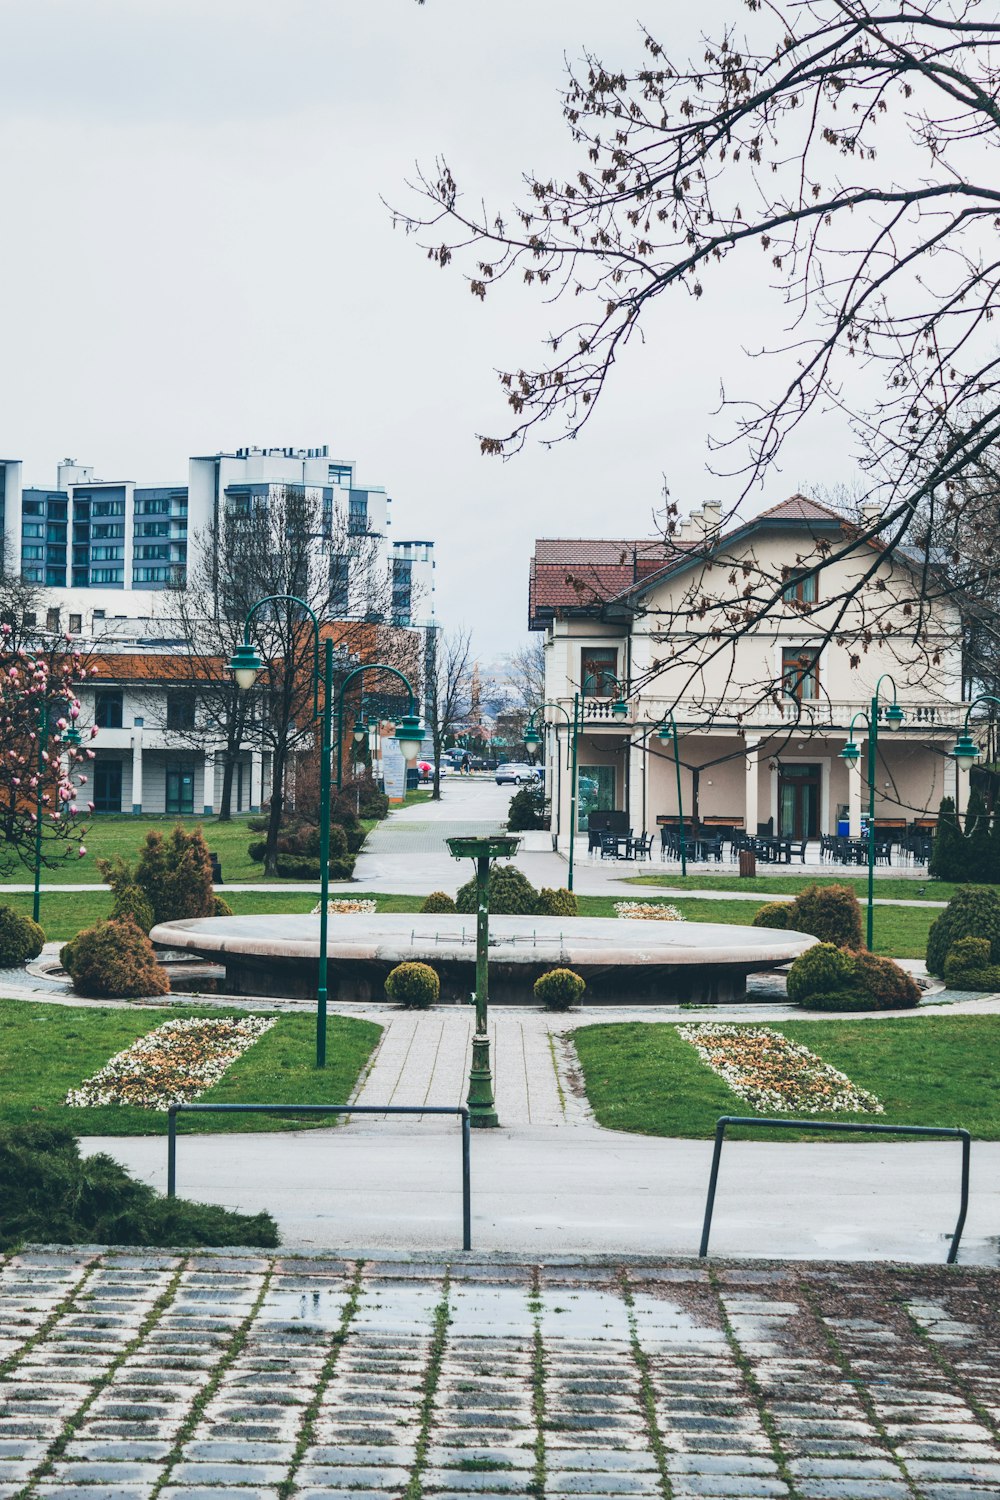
column 196, row 255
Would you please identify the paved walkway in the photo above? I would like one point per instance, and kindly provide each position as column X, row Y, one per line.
column 133, row 1375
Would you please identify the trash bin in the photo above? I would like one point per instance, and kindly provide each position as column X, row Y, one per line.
column 748, row 863
column 843, row 828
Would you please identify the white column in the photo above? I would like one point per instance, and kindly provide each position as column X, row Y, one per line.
column 854, row 789
column 638, row 809
column 750, row 808
column 208, row 790
column 137, row 771
column 256, row 778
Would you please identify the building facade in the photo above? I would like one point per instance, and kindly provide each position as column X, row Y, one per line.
column 112, row 550
column 763, row 711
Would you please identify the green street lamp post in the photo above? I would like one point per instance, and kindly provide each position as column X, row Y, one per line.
column 894, row 716
column 481, row 1101
column 245, row 665
column 966, row 752
column 667, row 732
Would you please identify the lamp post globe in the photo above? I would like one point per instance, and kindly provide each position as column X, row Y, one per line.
column 894, row 716
column 410, row 736
column 244, row 665
column 851, row 753
column 965, row 752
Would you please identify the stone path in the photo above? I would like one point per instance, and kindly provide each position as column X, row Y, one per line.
column 152, row 1376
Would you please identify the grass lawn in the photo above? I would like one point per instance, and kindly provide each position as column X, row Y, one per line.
column 45, row 1050
column 900, row 931
column 934, row 1070
column 886, row 887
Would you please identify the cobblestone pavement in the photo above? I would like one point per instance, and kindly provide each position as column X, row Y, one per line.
column 141, row 1375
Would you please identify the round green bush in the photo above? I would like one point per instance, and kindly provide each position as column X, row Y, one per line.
column 511, row 894
column 823, row 969
column 774, row 914
column 887, row 986
column 556, row 903
column 20, row 938
column 257, row 850
column 413, row 985
column 972, row 912
column 968, row 966
column 828, row 912
column 438, row 902
column 221, row 908
column 131, row 902
column 527, row 809
column 559, row 989
column 115, row 961
column 844, row 1000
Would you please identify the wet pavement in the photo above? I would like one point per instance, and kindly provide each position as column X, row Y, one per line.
column 139, row 1375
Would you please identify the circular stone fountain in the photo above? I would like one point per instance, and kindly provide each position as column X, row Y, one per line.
column 623, row 961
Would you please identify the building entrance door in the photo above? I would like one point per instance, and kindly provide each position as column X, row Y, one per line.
column 180, row 789
column 107, row 786
column 798, row 801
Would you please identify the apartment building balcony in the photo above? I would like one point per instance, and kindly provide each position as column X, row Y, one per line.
column 736, row 714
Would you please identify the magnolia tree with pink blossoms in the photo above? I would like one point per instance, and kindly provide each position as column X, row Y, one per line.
column 38, row 767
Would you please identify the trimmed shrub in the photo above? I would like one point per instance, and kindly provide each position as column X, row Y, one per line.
column 559, row 989
column 828, row 912
column 973, row 912
column 556, row 903
column 774, row 914
column 438, row 902
column 511, row 894
column 130, row 902
column 823, row 969
column 414, row 985
column 257, row 851
column 947, row 848
column 527, row 809
column 844, row 1000
column 51, row 1196
column 968, row 965
column 221, row 908
column 20, row 938
column 258, row 825
column 114, row 961
column 887, row 986
column 371, row 801
column 301, row 867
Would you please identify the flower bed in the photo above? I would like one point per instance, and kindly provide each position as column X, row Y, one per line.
column 172, row 1064
column 647, row 911
column 345, row 906
column 771, row 1073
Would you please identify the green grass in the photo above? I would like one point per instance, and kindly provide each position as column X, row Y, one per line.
column 887, row 887
column 45, row 1050
column 933, row 1070
column 900, row 931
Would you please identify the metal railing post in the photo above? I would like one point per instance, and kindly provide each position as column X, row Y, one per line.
column 172, row 1151
column 948, row 1132
column 333, row 1109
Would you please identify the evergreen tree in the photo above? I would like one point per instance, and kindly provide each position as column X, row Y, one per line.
column 978, row 852
column 948, row 851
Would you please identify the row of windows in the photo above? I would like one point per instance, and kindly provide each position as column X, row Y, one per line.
column 109, row 705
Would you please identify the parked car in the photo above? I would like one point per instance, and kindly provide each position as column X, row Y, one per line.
column 515, row 771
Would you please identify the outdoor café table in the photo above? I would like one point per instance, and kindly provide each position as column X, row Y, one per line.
column 775, row 850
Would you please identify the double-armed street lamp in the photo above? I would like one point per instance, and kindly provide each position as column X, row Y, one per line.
column 851, row 753
column 245, row 664
column 966, row 752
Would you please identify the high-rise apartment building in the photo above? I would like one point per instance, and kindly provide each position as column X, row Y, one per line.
column 104, row 550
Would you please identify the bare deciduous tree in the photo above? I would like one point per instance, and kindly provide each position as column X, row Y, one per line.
column 765, row 159
column 450, row 671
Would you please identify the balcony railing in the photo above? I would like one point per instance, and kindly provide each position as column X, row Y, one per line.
column 750, row 713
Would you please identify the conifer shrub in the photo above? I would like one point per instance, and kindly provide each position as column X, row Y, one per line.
column 258, row 824
column 527, row 809
column 414, row 985
column 828, row 912
column 49, row 1195
column 511, row 894
column 20, row 938
column 114, row 961
column 972, row 912
column 221, row 908
column 438, row 902
column 131, row 902
column 559, row 989
column 822, row 969
column 887, row 986
column 257, row 851
column 774, row 914
column 556, row 903
column 174, row 875
column 968, row 966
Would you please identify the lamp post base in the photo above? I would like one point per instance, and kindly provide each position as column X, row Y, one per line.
column 482, row 1109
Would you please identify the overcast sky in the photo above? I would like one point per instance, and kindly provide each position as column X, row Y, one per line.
column 195, row 256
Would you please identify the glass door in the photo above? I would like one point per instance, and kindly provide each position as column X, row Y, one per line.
column 180, row 790
column 798, row 802
column 595, row 792
column 107, row 786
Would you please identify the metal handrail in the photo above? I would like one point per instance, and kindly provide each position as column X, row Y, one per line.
column 846, row 1128
column 332, row 1109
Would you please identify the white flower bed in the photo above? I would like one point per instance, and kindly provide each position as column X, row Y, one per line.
column 172, row 1064
column 647, row 911
column 773, row 1074
column 345, row 906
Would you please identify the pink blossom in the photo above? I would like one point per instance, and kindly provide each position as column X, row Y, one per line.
column 83, row 850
